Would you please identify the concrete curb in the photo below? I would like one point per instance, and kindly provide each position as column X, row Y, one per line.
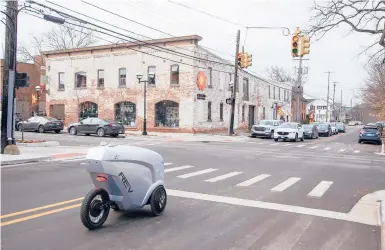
column 382, row 223
column 39, row 144
column 24, row 161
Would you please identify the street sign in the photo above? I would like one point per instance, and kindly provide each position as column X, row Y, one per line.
column 201, row 96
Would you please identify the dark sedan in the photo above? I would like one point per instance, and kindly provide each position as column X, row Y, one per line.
column 370, row 134
column 310, row 131
column 324, row 129
column 98, row 126
column 41, row 124
column 341, row 127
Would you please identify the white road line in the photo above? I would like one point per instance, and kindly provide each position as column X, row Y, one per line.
column 287, row 145
column 327, row 148
column 320, row 189
column 253, row 180
column 300, row 146
column 286, row 184
column 222, row 177
column 167, row 163
column 273, row 144
column 250, row 142
column 314, row 147
column 177, row 168
column 341, row 150
column 205, row 171
column 356, row 151
column 261, row 143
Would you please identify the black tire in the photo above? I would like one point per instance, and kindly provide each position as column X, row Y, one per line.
column 73, row 131
column 115, row 135
column 158, row 201
column 87, row 134
column 296, row 138
column 100, row 132
column 57, row 131
column 302, row 138
column 40, row 129
column 90, row 207
column 275, row 139
column 359, row 141
column 271, row 134
column 253, row 136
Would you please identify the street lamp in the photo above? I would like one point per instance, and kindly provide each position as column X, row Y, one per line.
column 38, row 88
column 140, row 76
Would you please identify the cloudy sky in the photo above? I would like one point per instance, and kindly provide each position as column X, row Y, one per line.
column 338, row 51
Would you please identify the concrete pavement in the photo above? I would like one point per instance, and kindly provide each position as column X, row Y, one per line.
column 221, row 196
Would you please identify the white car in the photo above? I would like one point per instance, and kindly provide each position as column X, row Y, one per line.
column 289, row 131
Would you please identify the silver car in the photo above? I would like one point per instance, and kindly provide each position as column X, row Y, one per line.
column 265, row 128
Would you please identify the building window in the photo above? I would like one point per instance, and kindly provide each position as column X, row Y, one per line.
column 61, row 81
column 81, row 79
column 221, row 112
column 209, row 112
column 151, row 69
column 210, row 85
column 243, row 113
column 100, row 78
column 88, row 109
column 269, row 91
column 167, row 114
column 122, row 77
column 284, row 94
column 264, row 113
column 245, row 89
column 175, row 74
column 125, row 112
column 279, row 93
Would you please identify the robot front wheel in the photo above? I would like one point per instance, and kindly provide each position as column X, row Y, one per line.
column 158, row 201
column 95, row 208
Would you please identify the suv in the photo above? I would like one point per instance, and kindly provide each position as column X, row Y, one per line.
column 265, row 128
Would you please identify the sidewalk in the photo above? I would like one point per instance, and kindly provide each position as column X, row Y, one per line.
column 36, row 154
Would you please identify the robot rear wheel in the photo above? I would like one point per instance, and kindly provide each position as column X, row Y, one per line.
column 158, row 201
column 95, row 208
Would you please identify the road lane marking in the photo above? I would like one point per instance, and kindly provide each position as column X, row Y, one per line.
column 300, row 146
column 39, row 208
column 273, row 144
column 205, row 171
column 327, row 148
column 222, row 177
column 320, row 189
column 286, row 145
column 177, row 168
column 167, row 163
column 286, row 184
column 253, row 180
column 314, row 147
column 341, row 150
column 261, row 143
column 38, row 215
column 356, row 151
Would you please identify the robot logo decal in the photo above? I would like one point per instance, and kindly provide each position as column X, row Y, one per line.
column 125, row 182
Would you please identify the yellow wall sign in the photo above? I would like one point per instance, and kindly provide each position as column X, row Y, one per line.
column 34, row 99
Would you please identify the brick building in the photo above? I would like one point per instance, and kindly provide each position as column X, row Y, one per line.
column 26, row 98
column 188, row 94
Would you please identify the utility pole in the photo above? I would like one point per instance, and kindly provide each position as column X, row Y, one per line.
column 234, row 90
column 341, row 108
column 334, row 94
column 8, row 144
column 327, row 98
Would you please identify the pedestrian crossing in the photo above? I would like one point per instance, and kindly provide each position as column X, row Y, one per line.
column 213, row 175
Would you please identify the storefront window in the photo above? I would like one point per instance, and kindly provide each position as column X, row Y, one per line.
column 88, row 109
column 167, row 114
column 125, row 112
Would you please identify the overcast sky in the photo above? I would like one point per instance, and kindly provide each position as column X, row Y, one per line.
column 337, row 51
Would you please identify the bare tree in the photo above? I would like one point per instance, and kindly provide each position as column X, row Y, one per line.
column 373, row 93
column 59, row 38
column 278, row 74
column 362, row 16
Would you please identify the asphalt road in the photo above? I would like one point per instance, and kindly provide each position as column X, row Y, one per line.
column 247, row 196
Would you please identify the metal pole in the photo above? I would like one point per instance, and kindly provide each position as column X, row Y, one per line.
column 38, row 102
column 144, row 109
column 327, row 99
column 231, row 125
column 334, row 94
column 341, row 108
column 298, row 91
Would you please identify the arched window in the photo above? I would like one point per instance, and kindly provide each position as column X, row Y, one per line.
column 125, row 112
column 88, row 109
column 209, row 111
column 167, row 114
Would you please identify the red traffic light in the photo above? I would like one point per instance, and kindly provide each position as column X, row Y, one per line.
column 295, row 44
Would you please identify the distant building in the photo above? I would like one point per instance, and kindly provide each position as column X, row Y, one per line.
column 319, row 109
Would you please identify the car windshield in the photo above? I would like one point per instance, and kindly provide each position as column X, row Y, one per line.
column 265, row 122
column 288, row 125
column 372, row 130
column 307, row 127
column 340, row 125
column 323, row 126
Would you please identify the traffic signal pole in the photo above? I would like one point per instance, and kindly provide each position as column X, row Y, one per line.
column 298, row 91
column 234, row 90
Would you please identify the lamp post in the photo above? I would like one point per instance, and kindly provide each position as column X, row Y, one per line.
column 38, row 88
column 140, row 76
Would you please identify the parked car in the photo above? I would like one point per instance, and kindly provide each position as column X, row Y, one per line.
column 310, row 131
column 18, row 119
column 341, row 127
column 324, row 129
column 334, row 128
column 370, row 133
column 352, row 123
column 378, row 126
column 94, row 125
column 289, row 131
column 265, row 128
column 41, row 124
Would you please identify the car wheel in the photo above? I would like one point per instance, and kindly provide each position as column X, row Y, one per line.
column 41, row 129
column 100, row 132
column 253, row 136
column 57, row 131
column 302, row 138
column 271, row 134
column 73, row 131
column 296, row 138
column 359, row 141
column 115, row 135
column 275, row 139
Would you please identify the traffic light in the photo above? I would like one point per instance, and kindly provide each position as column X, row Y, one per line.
column 247, row 60
column 294, row 46
column 240, row 59
column 22, row 80
column 305, row 45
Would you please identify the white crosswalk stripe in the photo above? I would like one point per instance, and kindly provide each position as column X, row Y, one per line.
column 261, row 143
column 327, row 148
column 300, row 146
column 167, row 163
column 286, row 184
column 177, row 168
column 356, row 151
column 320, row 189
column 287, row 145
column 314, row 147
column 222, row 177
column 274, row 144
column 253, row 180
column 341, row 150
column 205, row 171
